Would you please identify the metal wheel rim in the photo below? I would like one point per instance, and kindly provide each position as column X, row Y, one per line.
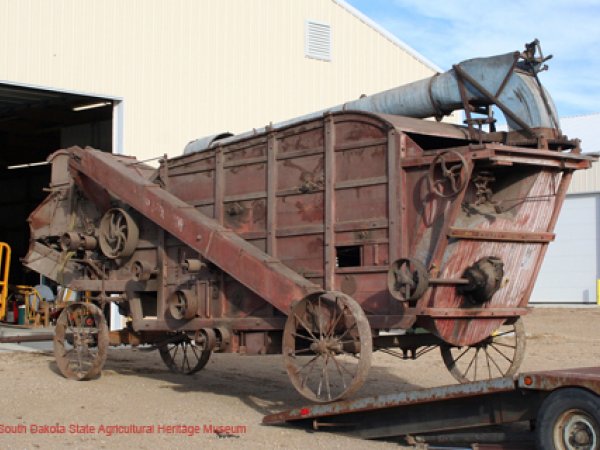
column 81, row 341
column 499, row 355
column 184, row 357
column 318, row 333
column 569, row 425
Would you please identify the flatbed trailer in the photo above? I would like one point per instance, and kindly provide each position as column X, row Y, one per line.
column 562, row 405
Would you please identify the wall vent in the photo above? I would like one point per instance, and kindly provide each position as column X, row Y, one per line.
column 318, row 40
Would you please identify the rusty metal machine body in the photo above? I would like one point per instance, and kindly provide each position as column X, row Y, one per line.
column 319, row 237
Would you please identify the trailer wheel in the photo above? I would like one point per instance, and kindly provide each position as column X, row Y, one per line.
column 184, row 356
column 569, row 419
column 81, row 341
column 327, row 346
column 498, row 355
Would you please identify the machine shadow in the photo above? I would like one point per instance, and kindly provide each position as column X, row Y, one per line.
column 259, row 382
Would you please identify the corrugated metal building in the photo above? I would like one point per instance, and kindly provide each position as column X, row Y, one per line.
column 189, row 68
column 144, row 77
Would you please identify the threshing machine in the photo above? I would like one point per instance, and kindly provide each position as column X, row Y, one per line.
column 323, row 238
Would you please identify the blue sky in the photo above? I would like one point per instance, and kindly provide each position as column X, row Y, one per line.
column 447, row 32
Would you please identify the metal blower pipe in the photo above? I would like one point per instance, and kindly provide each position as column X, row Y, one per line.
column 513, row 86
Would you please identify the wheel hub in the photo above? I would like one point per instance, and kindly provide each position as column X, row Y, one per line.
column 579, row 434
column 326, row 346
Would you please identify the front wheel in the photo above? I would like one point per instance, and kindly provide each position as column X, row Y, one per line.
column 81, row 341
column 327, row 346
column 569, row 419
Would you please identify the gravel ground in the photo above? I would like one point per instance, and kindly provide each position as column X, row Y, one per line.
column 41, row 409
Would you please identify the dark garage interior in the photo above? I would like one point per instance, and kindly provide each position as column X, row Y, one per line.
column 34, row 123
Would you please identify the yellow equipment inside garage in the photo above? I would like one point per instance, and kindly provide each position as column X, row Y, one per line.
column 36, row 308
column 4, row 268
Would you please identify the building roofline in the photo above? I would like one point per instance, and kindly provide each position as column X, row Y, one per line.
column 577, row 116
column 386, row 34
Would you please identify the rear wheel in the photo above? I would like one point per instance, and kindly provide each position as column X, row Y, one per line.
column 569, row 419
column 498, row 355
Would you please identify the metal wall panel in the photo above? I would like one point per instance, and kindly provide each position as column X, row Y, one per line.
column 570, row 269
column 191, row 68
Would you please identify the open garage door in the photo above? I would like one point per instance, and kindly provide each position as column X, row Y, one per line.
column 35, row 122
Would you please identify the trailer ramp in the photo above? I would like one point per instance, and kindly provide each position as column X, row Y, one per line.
column 443, row 409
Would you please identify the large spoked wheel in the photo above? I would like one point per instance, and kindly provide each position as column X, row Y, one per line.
column 499, row 355
column 327, row 346
column 81, row 341
column 569, row 419
column 183, row 356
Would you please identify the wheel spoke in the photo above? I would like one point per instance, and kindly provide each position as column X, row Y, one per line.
column 195, row 351
column 176, row 348
column 497, row 334
column 336, row 321
column 504, row 345
column 306, row 338
column 186, row 352
column 184, row 358
column 501, row 353
column 302, row 350
column 305, row 327
column 354, row 325
column 321, row 381
column 312, row 360
column 462, row 354
column 320, row 318
column 327, row 377
column 497, row 366
column 337, row 365
column 344, row 368
column 471, row 363
column 312, row 366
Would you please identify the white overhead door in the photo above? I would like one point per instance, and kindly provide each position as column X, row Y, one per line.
column 570, row 269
